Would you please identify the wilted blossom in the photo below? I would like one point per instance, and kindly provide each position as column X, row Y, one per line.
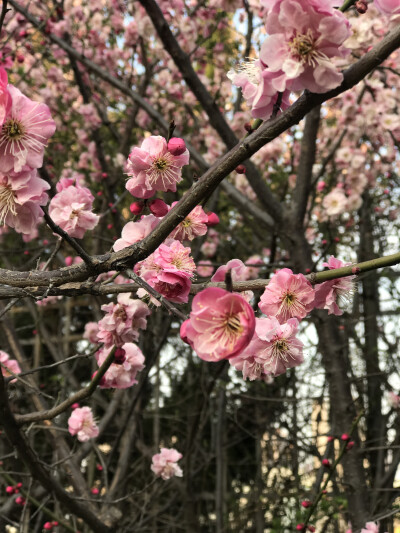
column 153, row 168
column 328, row 293
column 25, row 131
column 194, row 225
column 10, row 364
column 21, row 195
column 303, row 38
column 121, row 376
column 122, row 321
column 220, row 326
column 169, row 270
column 164, row 464
column 71, row 209
column 82, row 424
column 287, row 295
column 136, row 231
column 275, row 346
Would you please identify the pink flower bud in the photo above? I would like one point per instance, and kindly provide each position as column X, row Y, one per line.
column 75, row 405
column 20, row 500
column 213, row 219
column 48, row 526
column 95, row 490
column 240, row 169
column 356, row 270
column 321, row 186
column 306, row 503
column 345, row 436
column 10, row 489
column 326, row 462
column 119, row 356
column 158, row 207
column 350, row 445
column 99, row 468
column 311, row 528
column 68, row 260
column 136, row 208
column 176, row 146
column 330, row 438
column 324, row 241
column 55, row 523
column 19, row 485
column 300, row 527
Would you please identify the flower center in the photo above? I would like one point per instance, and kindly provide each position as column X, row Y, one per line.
column 7, row 202
column 304, row 48
column 164, row 169
column 13, row 129
column 233, row 325
column 186, row 223
column 281, row 345
column 161, row 164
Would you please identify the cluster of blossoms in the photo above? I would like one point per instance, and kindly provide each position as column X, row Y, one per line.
column 82, row 424
column 305, row 43
column 8, row 365
column 164, row 464
column 370, row 527
column 222, row 324
column 25, row 127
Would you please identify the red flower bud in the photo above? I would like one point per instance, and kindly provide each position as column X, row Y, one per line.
column 119, row 356
column 10, row 489
column 350, row 445
column 176, row 146
column 311, row 528
column 240, row 169
column 213, row 219
column 306, row 503
column 158, row 207
column 300, row 527
column 48, row 526
column 345, row 436
column 361, row 7
column 326, row 462
column 136, row 208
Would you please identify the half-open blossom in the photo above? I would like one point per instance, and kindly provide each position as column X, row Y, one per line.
column 8, row 364
column 328, row 293
column 122, row 321
column 303, row 38
column 287, row 295
column 71, row 209
column 121, row 376
column 164, row 464
column 25, row 131
column 136, row 231
column 154, row 168
column 21, row 195
column 82, row 424
column 193, row 225
column 221, row 324
column 275, row 346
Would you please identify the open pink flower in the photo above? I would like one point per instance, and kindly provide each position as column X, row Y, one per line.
column 71, row 209
column 10, row 364
column 287, row 295
column 121, row 376
column 136, row 231
column 275, row 346
column 221, row 324
column 303, row 37
column 153, row 168
column 21, row 195
column 5, row 100
column 370, row 527
column 25, row 131
column 194, row 225
column 388, row 7
column 90, row 333
column 164, row 463
column 82, row 424
column 328, row 293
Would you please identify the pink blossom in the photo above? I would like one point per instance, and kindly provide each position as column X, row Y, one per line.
column 71, row 209
column 205, row 269
column 388, row 7
column 9, row 364
column 328, row 293
column 194, row 225
column 21, row 195
column 5, row 100
column 122, row 321
column 370, row 527
column 153, row 168
column 236, row 267
column 303, row 38
column 275, row 346
column 136, row 231
column 253, row 272
column 90, row 333
column 121, row 376
column 287, row 295
column 394, row 400
column 164, row 463
column 82, row 424
column 249, row 366
column 220, row 326
column 260, row 88
column 26, row 129
column 335, row 202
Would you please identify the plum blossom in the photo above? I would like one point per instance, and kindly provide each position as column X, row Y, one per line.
column 82, row 424
column 205, row 269
column 335, row 202
column 8, row 364
column 121, row 376
column 275, row 346
column 25, row 131
column 21, row 195
column 71, row 209
column 153, row 168
column 303, row 38
column 220, row 326
column 122, row 321
column 194, row 225
column 370, row 527
column 394, row 400
column 136, row 231
column 164, row 464
column 328, row 293
column 287, row 295
column 90, row 333
column 5, row 100
column 388, row 7
column 238, row 271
